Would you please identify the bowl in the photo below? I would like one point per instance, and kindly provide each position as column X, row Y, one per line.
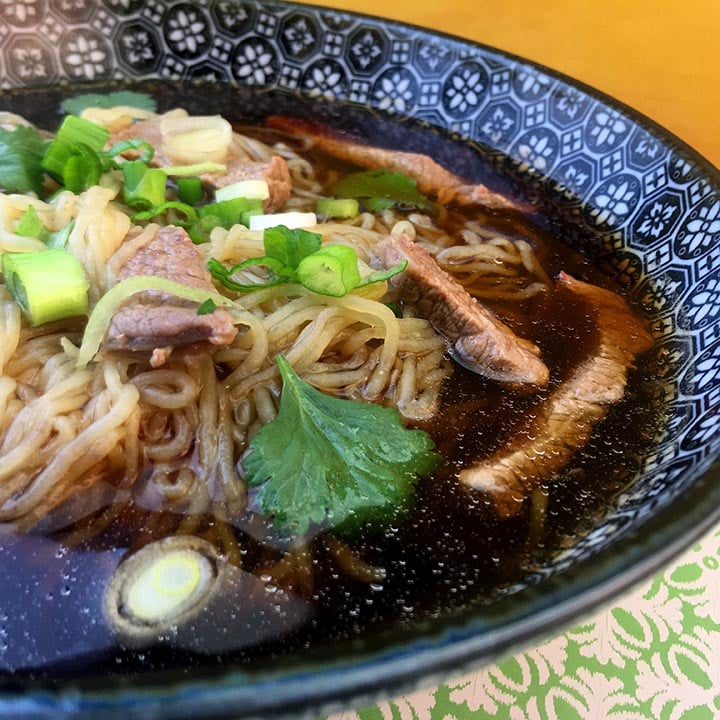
column 628, row 194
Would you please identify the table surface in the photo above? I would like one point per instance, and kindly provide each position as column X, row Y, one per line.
column 656, row 652
column 661, row 58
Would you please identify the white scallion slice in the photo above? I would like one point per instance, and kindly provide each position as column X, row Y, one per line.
column 168, row 584
column 250, row 189
column 291, row 220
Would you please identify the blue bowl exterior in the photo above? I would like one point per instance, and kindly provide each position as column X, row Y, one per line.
column 621, row 185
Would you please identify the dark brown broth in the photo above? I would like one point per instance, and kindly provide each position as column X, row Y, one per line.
column 451, row 551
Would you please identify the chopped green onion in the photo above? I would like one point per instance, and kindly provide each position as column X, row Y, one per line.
column 341, row 208
column 147, row 152
column 383, row 275
column 103, row 312
column 250, row 189
column 82, row 169
column 333, row 270
column 207, row 307
column 189, row 211
column 74, row 131
column 397, row 310
column 196, row 169
column 30, row 224
column 199, row 232
column 59, row 238
column 143, row 187
column 232, row 212
column 278, row 273
column 48, row 285
column 190, row 190
column 290, row 246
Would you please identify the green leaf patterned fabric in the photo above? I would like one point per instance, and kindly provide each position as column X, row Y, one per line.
column 654, row 654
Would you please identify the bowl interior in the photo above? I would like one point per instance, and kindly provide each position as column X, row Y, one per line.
column 636, row 200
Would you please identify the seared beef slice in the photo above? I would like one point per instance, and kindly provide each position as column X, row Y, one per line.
column 152, row 319
column 481, row 340
column 566, row 419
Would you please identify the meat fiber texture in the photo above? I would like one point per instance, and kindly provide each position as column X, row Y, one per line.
column 565, row 421
column 152, row 321
column 475, row 335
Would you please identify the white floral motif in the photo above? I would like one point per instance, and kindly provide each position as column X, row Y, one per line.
column 324, row 80
column 394, row 92
column 570, row 103
column 494, row 686
column 572, row 181
column 657, row 219
column 590, row 695
column 665, row 681
column 85, row 56
column 465, row 90
column 497, row 125
column 365, row 50
column 613, row 204
column 138, row 46
column 705, row 304
column 531, row 82
column 24, row 11
column 707, row 223
column 299, row 36
column 29, row 62
column 433, row 54
column 68, row 6
column 608, row 126
column 232, row 14
column 656, row 616
column 187, row 31
column 255, row 64
column 536, row 151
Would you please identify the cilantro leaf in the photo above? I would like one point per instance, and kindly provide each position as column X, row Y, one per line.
column 381, row 189
column 333, row 462
column 290, row 246
column 21, row 156
column 76, row 105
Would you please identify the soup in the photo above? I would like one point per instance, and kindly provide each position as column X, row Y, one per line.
column 177, row 493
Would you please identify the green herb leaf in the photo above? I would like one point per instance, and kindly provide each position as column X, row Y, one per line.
column 290, row 246
column 332, row 462
column 21, row 156
column 207, row 307
column 76, row 105
column 377, row 188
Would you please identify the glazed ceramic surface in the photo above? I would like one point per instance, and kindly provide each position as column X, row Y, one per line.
column 626, row 192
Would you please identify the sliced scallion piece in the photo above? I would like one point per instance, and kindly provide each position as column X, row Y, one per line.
column 143, row 187
column 340, row 208
column 232, row 212
column 48, row 285
column 332, row 270
column 74, row 131
column 190, row 190
column 30, row 224
column 250, row 189
column 188, row 211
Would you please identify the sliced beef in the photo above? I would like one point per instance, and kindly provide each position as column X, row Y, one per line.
column 152, row 321
column 239, row 167
column 431, row 178
column 566, row 419
column 478, row 338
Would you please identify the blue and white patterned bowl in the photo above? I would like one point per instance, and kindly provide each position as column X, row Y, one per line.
column 623, row 189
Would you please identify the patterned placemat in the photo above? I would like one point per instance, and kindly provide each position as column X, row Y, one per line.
column 654, row 654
